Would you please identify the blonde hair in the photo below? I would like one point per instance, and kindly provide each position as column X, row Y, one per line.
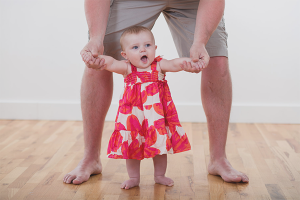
column 134, row 30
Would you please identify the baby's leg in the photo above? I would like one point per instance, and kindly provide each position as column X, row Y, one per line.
column 133, row 169
column 160, row 167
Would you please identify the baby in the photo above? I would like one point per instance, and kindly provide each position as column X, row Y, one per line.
column 147, row 124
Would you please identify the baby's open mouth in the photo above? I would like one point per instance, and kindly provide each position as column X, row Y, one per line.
column 144, row 59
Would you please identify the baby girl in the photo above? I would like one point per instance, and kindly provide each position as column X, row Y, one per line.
column 147, row 124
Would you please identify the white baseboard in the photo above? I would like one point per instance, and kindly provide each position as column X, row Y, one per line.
column 289, row 114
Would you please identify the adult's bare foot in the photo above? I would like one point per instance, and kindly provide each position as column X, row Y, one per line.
column 223, row 168
column 83, row 171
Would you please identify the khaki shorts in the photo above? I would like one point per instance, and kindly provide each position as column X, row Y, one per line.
column 179, row 14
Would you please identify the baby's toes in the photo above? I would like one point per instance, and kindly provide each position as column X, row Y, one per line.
column 123, row 185
column 164, row 181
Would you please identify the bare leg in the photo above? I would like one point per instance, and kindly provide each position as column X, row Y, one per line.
column 96, row 95
column 160, row 167
column 216, row 93
column 133, row 169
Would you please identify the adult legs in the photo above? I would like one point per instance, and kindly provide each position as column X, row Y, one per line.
column 216, row 94
column 97, row 86
column 216, row 89
column 96, row 95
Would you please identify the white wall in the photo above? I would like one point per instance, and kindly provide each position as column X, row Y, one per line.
column 41, row 69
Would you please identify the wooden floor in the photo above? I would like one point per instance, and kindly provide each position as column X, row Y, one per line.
column 35, row 155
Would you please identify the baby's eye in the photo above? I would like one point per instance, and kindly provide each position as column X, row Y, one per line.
column 135, row 47
column 148, row 45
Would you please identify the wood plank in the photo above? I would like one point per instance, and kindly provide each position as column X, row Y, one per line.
column 35, row 156
column 25, row 191
column 6, row 193
column 25, row 176
column 283, row 179
column 216, row 189
column 275, row 192
column 256, row 183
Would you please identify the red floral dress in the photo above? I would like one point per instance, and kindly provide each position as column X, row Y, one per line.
column 147, row 122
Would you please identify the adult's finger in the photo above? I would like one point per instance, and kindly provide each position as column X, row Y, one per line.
column 86, row 57
column 197, row 65
column 195, row 56
column 196, row 68
column 202, row 64
column 206, row 60
column 190, row 67
column 94, row 52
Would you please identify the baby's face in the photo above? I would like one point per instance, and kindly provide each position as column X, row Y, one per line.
column 139, row 49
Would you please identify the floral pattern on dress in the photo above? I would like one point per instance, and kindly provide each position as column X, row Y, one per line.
column 147, row 123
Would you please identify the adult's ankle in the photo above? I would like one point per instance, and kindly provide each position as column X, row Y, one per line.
column 218, row 159
column 91, row 157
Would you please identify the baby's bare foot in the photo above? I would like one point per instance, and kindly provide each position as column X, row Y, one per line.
column 163, row 180
column 132, row 182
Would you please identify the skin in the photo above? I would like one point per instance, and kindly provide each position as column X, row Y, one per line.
column 136, row 47
column 216, row 90
column 96, row 100
column 92, row 92
column 139, row 50
column 160, row 167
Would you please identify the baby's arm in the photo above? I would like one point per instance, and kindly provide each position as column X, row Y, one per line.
column 113, row 65
column 175, row 64
column 108, row 63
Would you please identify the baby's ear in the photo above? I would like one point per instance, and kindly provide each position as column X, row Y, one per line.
column 155, row 47
column 123, row 54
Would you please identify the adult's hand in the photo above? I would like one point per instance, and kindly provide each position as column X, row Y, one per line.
column 90, row 54
column 197, row 53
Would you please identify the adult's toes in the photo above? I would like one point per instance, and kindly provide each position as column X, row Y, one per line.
column 77, row 181
column 65, row 177
column 245, row 178
column 236, row 179
column 232, row 179
column 70, row 178
column 171, row 184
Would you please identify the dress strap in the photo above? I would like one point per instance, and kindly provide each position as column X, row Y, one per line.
column 154, row 63
column 133, row 68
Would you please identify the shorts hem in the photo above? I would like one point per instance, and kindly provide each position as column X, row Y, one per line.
column 214, row 52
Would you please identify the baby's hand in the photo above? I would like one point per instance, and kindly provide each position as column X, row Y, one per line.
column 92, row 62
column 87, row 57
column 195, row 67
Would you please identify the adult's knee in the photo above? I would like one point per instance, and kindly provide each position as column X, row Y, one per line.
column 219, row 65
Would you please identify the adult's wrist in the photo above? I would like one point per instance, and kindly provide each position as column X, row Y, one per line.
column 96, row 38
column 199, row 43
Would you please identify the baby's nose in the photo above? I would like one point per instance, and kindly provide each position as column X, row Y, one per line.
column 142, row 49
